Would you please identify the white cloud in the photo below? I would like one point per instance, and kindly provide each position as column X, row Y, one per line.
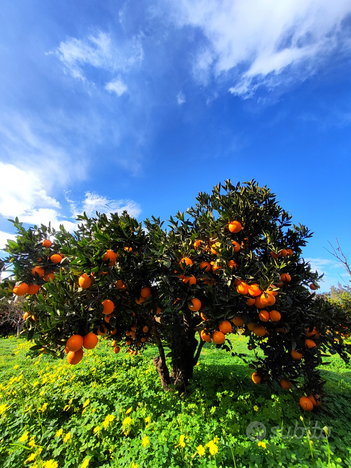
column 94, row 202
column 4, row 237
column 180, row 98
column 117, row 86
column 256, row 41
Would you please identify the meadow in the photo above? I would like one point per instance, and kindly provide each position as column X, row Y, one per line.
column 111, row 411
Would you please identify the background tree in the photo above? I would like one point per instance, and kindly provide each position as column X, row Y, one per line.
column 233, row 260
column 11, row 316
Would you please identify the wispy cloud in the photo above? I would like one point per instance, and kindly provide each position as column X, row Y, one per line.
column 116, row 86
column 265, row 43
column 180, row 98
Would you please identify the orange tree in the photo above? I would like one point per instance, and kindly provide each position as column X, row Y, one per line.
column 231, row 261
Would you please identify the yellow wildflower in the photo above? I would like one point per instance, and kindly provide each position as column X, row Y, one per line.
column 96, row 429
column 31, row 443
column 87, row 402
column 262, row 444
column 16, row 366
column 85, row 463
column 107, row 421
column 24, row 437
column 213, row 448
column 67, row 437
column 3, row 409
column 43, row 408
column 145, row 441
column 59, row 432
column 127, row 421
column 31, row 457
column 129, row 410
column 255, row 408
column 148, row 420
column 134, row 465
column 201, row 450
column 50, row 464
column 181, row 441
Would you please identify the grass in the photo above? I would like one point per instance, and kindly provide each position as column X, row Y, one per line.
column 110, row 411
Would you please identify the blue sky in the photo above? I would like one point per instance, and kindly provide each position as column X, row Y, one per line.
column 141, row 105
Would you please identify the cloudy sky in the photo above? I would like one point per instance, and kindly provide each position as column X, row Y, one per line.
column 140, row 105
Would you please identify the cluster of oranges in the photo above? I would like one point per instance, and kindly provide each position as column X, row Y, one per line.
column 76, row 343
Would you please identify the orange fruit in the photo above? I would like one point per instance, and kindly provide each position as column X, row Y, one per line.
column 47, row 243
column 190, row 280
column 238, row 321
column 255, row 378
column 196, row 304
column 274, row 255
column 306, row 404
column 242, row 288
column 90, row 341
column 56, row 258
column 111, row 257
column 197, row 243
column 116, row 349
column 33, row 318
column 145, row 329
column 289, row 252
column 21, row 289
column 285, row 384
column 267, row 299
column 205, row 265
column 127, row 249
column 102, row 330
column 283, row 253
column 215, row 267
column 310, row 343
column 275, row 316
column 218, row 337
column 251, row 301
column 140, row 300
column 258, row 303
column 254, row 290
column 49, row 276
column 108, row 307
column 84, row 281
column 259, row 330
column 203, row 316
column 205, row 336
column 33, row 289
column 225, row 327
column 285, row 277
column 264, row 315
column 74, row 357
column 185, row 261
column 313, row 287
column 145, row 292
column 232, row 264
column 38, row 271
column 120, row 284
column 251, row 326
column 74, row 343
column 25, row 316
column 108, row 317
column 311, row 333
column 235, row 226
column 315, row 400
column 296, row 355
column 236, row 246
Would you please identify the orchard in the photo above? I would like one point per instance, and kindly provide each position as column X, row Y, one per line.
column 232, row 262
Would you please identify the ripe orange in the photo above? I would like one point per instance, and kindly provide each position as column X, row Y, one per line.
column 47, row 243
column 197, row 243
column 289, row 252
column 196, row 304
column 185, row 261
column 242, row 288
column 108, row 307
column 190, row 280
column 313, row 287
column 21, row 289
column 56, row 258
column 49, row 276
column 310, row 343
column 145, row 329
column 254, row 290
column 274, row 255
column 38, row 271
column 311, row 333
column 218, row 337
column 283, row 253
column 285, row 277
column 258, row 303
column 111, row 257
column 145, row 292
column 251, row 301
column 251, row 326
column 315, row 400
column 264, row 315
column 205, row 265
column 306, row 404
column 140, row 300
column 225, row 327
column 90, row 341
column 267, row 299
column 102, row 330
column 296, row 355
column 275, row 316
column 205, row 336
column 238, row 321
column 116, row 349
column 236, row 246
column 235, row 226
column 33, row 289
column 256, row 378
column 25, row 316
column 215, row 267
column 84, row 281
column 74, row 343
column 259, row 330
column 120, row 284
column 232, row 264
column 74, row 357
column 285, row 384
column 113, row 332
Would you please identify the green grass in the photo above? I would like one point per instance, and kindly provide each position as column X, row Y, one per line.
column 110, row 411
